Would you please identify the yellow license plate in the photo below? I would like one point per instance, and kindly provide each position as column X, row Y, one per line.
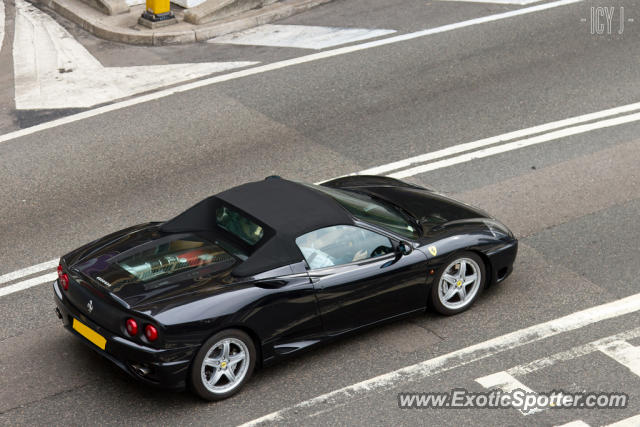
column 89, row 334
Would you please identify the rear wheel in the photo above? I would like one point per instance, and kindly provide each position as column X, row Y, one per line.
column 458, row 284
column 223, row 365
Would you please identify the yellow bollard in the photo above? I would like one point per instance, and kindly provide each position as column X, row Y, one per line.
column 158, row 14
column 158, row 7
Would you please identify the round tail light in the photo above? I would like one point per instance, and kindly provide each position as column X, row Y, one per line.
column 63, row 278
column 132, row 327
column 64, row 281
column 151, row 332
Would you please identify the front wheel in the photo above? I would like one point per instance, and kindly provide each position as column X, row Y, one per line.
column 458, row 284
column 223, row 365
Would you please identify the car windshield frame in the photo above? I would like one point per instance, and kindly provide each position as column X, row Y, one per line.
column 354, row 202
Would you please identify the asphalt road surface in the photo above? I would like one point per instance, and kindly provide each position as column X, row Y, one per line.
column 568, row 317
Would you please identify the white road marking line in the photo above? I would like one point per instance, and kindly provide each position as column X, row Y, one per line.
column 28, row 284
column 572, row 353
column 516, row 145
column 28, row 271
column 461, row 357
column 502, row 380
column 52, row 70
column 577, row 423
column 299, row 36
column 1, row 23
column 623, row 353
column 627, row 422
column 507, row 383
column 456, row 149
column 279, row 65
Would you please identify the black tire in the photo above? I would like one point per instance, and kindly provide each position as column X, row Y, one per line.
column 435, row 297
column 197, row 381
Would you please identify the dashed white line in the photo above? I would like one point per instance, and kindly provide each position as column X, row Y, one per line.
column 623, row 353
column 281, row 64
column 507, row 383
column 460, row 357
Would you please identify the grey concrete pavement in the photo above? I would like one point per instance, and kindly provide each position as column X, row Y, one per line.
column 575, row 213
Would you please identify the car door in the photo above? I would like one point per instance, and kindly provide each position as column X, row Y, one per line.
column 359, row 278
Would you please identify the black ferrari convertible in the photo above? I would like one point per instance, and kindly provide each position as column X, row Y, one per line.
column 270, row 268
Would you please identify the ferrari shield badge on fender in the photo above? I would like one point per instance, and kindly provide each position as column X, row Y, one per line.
column 433, row 250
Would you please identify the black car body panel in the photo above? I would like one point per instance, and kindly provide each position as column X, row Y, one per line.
column 350, row 298
column 167, row 367
column 285, row 309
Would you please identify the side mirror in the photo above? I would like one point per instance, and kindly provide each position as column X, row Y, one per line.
column 401, row 249
column 404, row 248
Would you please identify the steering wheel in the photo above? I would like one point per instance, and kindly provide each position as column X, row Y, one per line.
column 379, row 251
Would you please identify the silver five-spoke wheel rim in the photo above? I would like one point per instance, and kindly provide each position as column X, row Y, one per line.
column 459, row 284
column 225, row 365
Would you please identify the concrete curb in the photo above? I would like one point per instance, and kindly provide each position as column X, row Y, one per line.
column 212, row 10
column 110, row 7
column 124, row 28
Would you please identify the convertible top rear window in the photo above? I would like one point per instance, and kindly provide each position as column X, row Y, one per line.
column 239, row 225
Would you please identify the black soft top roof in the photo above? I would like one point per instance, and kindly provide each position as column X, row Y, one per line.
column 284, row 208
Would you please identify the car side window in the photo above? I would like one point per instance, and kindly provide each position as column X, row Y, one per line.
column 341, row 244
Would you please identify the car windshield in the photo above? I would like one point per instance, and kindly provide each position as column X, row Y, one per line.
column 369, row 210
column 239, row 225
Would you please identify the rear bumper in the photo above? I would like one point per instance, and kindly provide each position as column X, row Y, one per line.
column 502, row 261
column 167, row 368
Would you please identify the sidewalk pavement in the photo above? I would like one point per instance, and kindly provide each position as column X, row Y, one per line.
column 124, row 27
